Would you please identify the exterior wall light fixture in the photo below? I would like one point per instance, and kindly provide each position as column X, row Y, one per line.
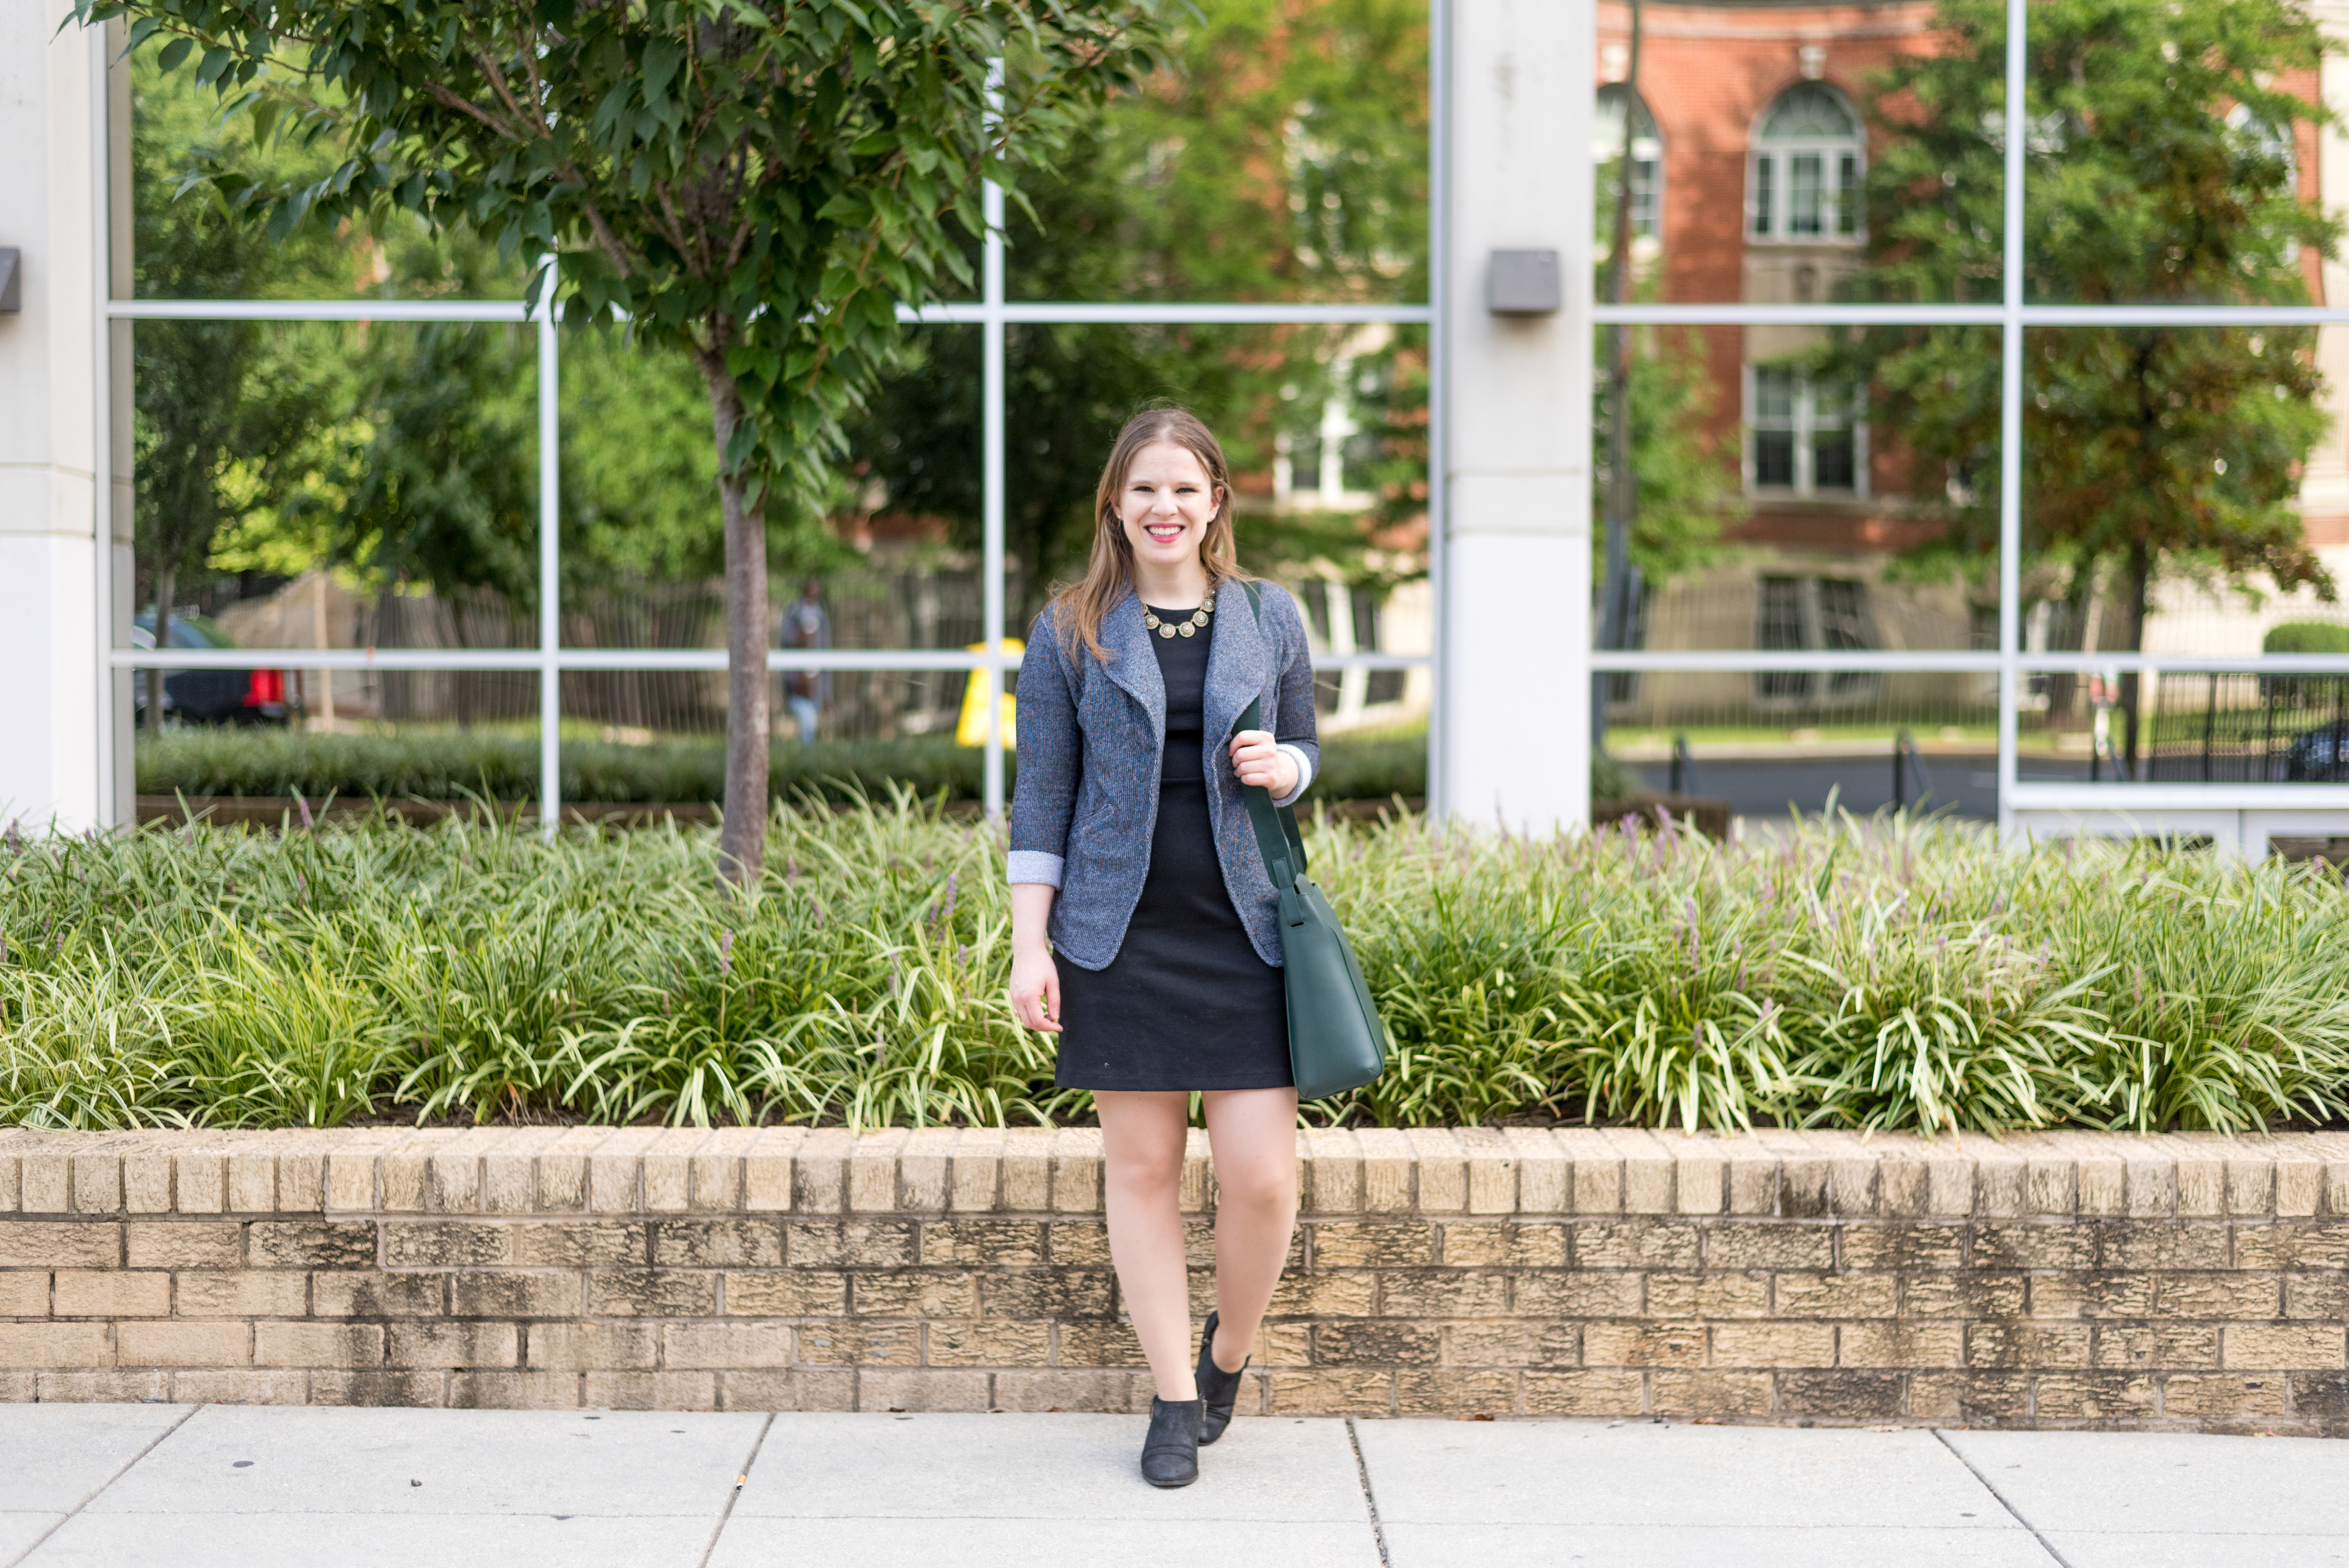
column 12, row 292
column 1522, row 283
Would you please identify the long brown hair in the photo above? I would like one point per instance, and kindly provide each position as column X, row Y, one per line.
column 1080, row 609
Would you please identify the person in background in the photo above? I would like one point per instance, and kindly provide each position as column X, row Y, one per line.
column 805, row 626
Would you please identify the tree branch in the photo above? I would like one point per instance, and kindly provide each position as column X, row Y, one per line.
column 678, row 232
column 462, row 105
column 609, row 241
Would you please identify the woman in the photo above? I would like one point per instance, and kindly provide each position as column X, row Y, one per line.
column 1143, row 923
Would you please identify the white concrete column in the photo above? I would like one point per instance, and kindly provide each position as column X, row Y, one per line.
column 56, row 766
column 1518, row 465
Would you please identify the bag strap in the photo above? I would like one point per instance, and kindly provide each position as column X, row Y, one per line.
column 1277, row 836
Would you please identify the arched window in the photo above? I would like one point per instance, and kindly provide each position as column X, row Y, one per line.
column 1647, row 163
column 1807, row 165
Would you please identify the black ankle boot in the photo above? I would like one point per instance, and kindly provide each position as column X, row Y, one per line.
column 1170, row 1453
column 1218, row 1390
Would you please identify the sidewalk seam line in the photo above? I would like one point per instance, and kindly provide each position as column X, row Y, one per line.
column 734, row 1494
column 1991, row 1487
column 1370, row 1498
column 97, row 1491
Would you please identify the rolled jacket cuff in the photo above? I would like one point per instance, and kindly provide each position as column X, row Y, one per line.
column 1036, row 866
column 1304, row 775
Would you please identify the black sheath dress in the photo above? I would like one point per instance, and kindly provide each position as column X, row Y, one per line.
column 1186, row 1004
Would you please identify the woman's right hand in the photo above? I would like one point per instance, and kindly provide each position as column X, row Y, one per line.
column 1036, row 989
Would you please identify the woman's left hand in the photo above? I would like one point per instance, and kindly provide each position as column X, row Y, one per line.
column 1257, row 758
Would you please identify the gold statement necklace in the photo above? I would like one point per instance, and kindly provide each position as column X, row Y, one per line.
column 1191, row 627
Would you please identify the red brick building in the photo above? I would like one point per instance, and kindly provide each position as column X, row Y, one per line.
column 1749, row 150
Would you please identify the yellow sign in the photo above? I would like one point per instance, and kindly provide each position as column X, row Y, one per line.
column 972, row 730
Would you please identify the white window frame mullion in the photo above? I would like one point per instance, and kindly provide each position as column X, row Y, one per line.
column 1749, row 393
column 108, row 802
column 1439, row 467
column 550, row 565
column 992, row 505
column 1856, row 414
column 1042, row 312
column 1786, row 153
column 2010, row 419
column 1738, row 313
column 1805, row 459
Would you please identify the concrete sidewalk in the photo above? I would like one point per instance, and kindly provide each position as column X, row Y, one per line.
column 251, row 1487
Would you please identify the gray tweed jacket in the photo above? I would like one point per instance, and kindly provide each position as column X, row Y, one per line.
column 1090, row 737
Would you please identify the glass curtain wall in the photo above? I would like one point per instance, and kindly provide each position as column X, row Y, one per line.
column 2000, row 474
column 479, row 543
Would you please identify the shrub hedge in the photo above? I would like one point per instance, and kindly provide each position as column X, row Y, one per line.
column 450, row 765
column 1892, row 973
column 2306, row 637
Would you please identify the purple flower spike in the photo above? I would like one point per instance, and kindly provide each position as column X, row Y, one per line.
column 725, row 954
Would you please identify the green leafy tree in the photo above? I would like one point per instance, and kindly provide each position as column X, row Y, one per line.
column 640, row 476
column 1287, row 160
column 442, row 476
column 432, row 480
column 223, row 411
column 1687, row 489
column 1658, row 483
column 1067, row 392
column 1280, row 155
column 1067, row 388
column 755, row 187
column 2157, row 170
column 1284, row 159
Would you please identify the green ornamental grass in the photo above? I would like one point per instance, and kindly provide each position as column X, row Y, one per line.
column 1896, row 973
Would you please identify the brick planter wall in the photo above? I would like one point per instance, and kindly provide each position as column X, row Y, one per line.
column 2054, row 1280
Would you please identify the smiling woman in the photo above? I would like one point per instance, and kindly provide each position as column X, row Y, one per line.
column 1159, row 898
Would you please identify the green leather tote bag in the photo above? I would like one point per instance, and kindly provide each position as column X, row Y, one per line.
column 1335, row 1039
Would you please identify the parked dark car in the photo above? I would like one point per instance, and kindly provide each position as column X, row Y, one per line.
column 2316, row 756
column 208, row 697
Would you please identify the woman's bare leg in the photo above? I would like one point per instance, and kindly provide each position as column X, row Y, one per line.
column 1142, row 1134
column 1253, row 1134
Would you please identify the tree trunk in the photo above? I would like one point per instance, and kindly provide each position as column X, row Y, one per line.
column 167, row 575
column 742, row 840
column 461, row 682
column 2063, row 686
column 2140, row 589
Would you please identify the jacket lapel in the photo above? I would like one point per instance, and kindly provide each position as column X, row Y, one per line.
column 1235, row 663
column 1133, row 666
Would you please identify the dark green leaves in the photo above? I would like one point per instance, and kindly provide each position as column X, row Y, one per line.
column 661, row 58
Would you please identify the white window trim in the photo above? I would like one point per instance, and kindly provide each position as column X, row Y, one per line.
column 1817, row 688
column 1805, row 487
column 1646, row 150
column 1829, row 148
